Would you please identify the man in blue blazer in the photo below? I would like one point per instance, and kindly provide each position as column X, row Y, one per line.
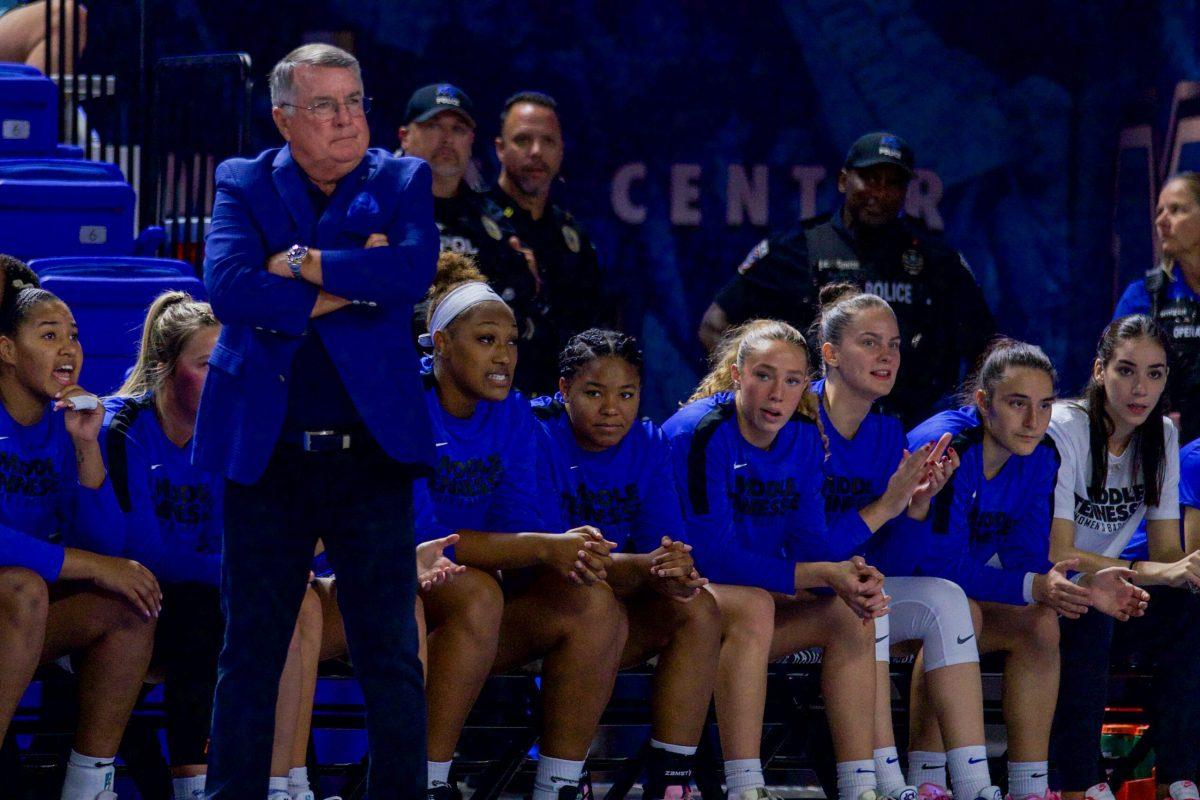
column 313, row 412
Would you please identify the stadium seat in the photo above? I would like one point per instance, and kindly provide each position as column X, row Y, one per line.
column 19, row 69
column 111, row 267
column 64, row 207
column 110, row 311
column 49, row 168
column 28, row 112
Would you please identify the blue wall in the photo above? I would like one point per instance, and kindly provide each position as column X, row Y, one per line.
column 1014, row 107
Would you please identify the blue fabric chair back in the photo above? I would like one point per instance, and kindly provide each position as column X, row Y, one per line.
column 111, row 267
column 110, row 312
column 28, row 111
column 64, row 207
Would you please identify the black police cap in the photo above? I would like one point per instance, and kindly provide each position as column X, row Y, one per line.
column 881, row 148
column 429, row 101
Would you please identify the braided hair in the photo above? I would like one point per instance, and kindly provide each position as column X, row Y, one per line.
column 596, row 343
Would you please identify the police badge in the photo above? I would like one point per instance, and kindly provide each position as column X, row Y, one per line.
column 912, row 261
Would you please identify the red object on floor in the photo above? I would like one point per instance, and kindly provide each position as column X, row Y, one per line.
column 1140, row 789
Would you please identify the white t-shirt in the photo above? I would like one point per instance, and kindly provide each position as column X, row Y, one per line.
column 1105, row 522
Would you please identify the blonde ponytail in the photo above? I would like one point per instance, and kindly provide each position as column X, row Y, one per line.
column 172, row 319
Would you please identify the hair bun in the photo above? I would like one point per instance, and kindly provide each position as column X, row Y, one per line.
column 833, row 293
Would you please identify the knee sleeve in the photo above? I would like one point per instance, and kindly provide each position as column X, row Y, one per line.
column 936, row 612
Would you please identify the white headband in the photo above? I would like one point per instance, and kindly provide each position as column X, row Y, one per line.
column 464, row 297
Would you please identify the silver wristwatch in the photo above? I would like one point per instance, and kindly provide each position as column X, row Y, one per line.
column 295, row 257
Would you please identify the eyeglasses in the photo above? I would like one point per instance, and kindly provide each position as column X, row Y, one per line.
column 325, row 110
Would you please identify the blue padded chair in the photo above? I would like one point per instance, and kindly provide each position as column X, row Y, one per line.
column 28, row 112
column 110, row 311
column 49, row 168
column 111, row 267
column 19, row 69
column 64, row 207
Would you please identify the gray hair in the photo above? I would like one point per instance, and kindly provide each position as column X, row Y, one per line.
column 314, row 55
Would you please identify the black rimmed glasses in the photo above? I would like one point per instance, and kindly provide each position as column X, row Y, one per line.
column 325, row 110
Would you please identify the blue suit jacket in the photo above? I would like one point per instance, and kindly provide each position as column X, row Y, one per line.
column 263, row 207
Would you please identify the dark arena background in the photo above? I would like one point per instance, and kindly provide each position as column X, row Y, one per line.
column 1041, row 129
column 693, row 128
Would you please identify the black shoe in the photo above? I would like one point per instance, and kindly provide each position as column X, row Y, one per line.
column 581, row 792
column 443, row 791
column 668, row 775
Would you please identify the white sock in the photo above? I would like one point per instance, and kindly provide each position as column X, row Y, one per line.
column 438, row 773
column 927, row 766
column 888, row 777
column 298, row 780
column 969, row 771
column 188, row 788
column 680, row 749
column 277, row 787
column 742, row 774
column 87, row 777
column 854, row 778
column 553, row 774
column 1027, row 777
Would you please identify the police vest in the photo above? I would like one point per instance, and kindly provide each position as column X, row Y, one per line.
column 1180, row 318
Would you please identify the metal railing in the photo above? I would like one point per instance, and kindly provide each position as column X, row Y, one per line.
column 189, row 137
column 150, row 123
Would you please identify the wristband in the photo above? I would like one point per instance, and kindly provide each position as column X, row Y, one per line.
column 1133, row 564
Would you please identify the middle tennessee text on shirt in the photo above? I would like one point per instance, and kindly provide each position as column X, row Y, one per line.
column 858, row 469
column 985, row 535
column 751, row 514
column 43, row 508
column 485, row 469
column 627, row 490
column 173, row 510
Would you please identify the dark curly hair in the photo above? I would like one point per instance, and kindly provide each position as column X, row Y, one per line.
column 584, row 348
column 17, row 305
column 15, row 275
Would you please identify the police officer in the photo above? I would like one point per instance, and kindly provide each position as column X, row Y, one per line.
column 944, row 322
column 570, row 294
column 439, row 127
column 1171, row 294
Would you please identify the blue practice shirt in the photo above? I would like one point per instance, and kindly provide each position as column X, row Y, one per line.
column 752, row 514
column 1189, row 495
column 627, row 490
column 857, row 473
column 485, row 469
column 43, row 508
column 172, row 509
column 985, row 535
